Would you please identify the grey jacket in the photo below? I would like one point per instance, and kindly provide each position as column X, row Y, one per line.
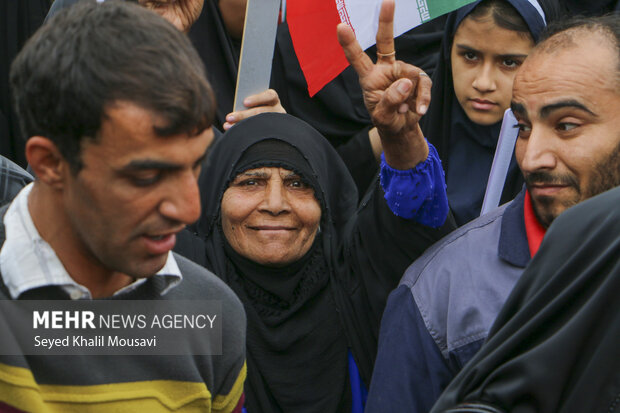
column 441, row 312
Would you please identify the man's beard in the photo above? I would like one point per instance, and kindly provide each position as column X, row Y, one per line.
column 605, row 176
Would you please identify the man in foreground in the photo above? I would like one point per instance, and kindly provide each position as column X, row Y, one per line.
column 118, row 113
column 566, row 99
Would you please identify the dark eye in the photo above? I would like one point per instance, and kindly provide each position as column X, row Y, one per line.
column 567, row 126
column 524, row 130
column 511, row 63
column 297, row 183
column 471, row 56
column 145, row 179
column 248, row 182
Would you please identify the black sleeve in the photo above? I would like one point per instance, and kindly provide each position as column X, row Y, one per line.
column 379, row 248
column 191, row 247
column 360, row 160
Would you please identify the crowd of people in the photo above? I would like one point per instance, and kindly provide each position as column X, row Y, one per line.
column 341, row 233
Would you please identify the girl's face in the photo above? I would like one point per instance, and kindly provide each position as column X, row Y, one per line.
column 485, row 59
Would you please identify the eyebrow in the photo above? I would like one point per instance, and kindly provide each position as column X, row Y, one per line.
column 502, row 56
column 569, row 103
column 255, row 174
column 519, row 109
column 292, row 174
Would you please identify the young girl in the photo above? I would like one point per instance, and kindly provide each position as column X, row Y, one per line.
column 484, row 44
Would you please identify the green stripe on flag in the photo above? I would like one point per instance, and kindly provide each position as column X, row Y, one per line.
column 429, row 9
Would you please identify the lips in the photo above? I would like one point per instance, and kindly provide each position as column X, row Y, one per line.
column 546, row 190
column 271, row 228
column 160, row 243
column 482, row 104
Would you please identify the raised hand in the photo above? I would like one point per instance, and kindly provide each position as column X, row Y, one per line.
column 181, row 13
column 266, row 101
column 396, row 94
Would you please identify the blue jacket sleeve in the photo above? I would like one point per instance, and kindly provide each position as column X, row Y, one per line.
column 410, row 372
column 419, row 193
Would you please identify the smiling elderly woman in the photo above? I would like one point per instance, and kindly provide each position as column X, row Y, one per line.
column 282, row 228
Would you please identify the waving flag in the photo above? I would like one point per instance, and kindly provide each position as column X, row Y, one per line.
column 312, row 24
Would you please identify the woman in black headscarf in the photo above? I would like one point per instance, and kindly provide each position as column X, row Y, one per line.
column 320, row 300
column 283, row 228
column 466, row 137
column 554, row 347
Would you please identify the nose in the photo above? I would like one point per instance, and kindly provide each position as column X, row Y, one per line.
column 537, row 152
column 485, row 78
column 276, row 199
column 182, row 202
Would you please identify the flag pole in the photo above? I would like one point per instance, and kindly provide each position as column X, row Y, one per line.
column 259, row 39
column 499, row 169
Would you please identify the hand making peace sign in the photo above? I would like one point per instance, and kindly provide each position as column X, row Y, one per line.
column 396, row 94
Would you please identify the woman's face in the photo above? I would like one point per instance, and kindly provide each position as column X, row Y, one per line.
column 270, row 216
column 485, row 59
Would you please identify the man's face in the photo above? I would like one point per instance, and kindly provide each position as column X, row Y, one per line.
column 567, row 105
column 136, row 190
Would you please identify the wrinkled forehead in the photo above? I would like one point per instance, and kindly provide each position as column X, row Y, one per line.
column 586, row 69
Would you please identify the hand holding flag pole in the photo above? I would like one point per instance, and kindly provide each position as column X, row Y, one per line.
column 265, row 101
column 396, row 94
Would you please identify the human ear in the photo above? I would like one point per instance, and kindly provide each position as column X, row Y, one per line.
column 46, row 161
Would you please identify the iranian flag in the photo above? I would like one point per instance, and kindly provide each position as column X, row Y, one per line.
column 312, row 24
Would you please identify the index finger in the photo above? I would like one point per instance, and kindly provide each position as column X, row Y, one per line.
column 267, row 97
column 353, row 51
column 385, row 31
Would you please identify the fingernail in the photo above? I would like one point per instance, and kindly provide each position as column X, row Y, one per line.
column 230, row 118
column 422, row 109
column 247, row 102
column 403, row 87
column 403, row 108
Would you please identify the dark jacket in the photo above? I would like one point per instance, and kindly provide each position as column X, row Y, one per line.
column 554, row 345
column 441, row 312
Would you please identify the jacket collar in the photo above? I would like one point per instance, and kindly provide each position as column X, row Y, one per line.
column 513, row 247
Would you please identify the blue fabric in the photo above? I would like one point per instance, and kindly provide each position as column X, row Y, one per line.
column 419, row 193
column 425, row 341
column 529, row 13
column 513, row 246
column 405, row 380
column 359, row 394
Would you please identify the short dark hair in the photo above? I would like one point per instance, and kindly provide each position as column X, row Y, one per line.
column 504, row 15
column 91, row 55
column 608, row 25
column 564, row 32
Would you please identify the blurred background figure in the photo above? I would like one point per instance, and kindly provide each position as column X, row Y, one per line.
column 18, row 21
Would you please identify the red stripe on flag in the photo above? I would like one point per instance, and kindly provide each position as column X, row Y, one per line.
column 312, row 24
